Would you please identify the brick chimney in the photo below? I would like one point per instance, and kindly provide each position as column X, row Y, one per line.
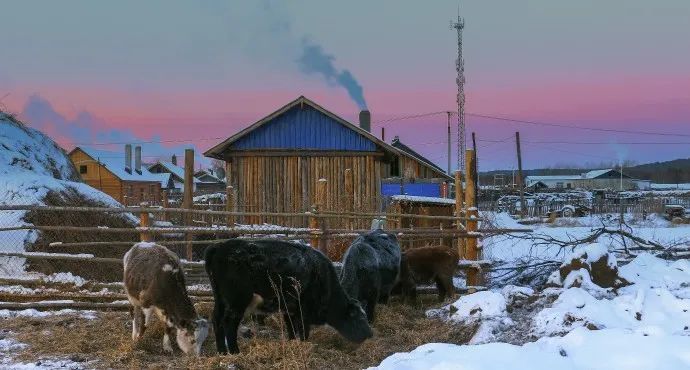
column 128, row 158
column 365, row 120
column 137, row 159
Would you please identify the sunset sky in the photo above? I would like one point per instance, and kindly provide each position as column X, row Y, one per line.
column 187, row 72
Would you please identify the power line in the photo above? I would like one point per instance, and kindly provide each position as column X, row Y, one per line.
column 572, row 152
column 153, row 141
column 609, row 142
column 485, row 116
column 575, row 127
column 420, row 115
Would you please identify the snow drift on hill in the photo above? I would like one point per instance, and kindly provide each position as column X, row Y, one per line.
column 31, row 166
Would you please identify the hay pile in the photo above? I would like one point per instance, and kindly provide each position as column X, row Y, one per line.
column 106, row 342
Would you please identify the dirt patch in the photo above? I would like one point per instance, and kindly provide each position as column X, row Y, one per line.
column 107, row 340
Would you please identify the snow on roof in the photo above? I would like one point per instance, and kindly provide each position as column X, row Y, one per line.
column 595, row 173
column 420, row 199
column 655, row 186
column 115, row 163
column 553, row 177
column 174, row 169
column 206, row 173
column 587, row 175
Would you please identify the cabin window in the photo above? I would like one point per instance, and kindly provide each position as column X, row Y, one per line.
column 82, row 169
column 559, row 185
column 569, row 185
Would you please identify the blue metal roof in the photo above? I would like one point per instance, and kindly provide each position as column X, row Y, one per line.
column 304, row 128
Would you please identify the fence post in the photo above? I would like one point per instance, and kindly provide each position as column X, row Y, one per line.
column 349, row 196
column 230, row 204
column 458, row 211
column 164, row 197
column 188, row 200
column 473, row 253
column 321, row 199
column 144, row 221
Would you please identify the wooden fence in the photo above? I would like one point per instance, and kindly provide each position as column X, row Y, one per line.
column 188, row 231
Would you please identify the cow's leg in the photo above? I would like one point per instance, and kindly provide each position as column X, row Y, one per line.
column 444, row 286
column 305, row 331
column 137, row 323
column 218, row 329
column 234, row 313
column 169, row 332
column 291, row 325
column 148, row 314
column 231, row 322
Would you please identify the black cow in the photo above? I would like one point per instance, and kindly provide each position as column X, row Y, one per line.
column 370, row 269
column 274, row 276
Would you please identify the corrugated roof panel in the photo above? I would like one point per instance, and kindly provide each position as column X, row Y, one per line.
column 307, row 129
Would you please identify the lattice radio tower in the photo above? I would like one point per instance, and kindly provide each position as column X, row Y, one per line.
column 459, row 25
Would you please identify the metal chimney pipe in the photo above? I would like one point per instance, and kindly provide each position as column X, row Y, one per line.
column 383, row 134
column 174, row 160
column 137, row 159
column 365, row 120
column 128, row 158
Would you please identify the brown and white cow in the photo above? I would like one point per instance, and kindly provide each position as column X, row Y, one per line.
column 155, row 284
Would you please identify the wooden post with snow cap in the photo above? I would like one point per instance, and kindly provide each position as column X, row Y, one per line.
column 230, row 204
column 349, row 196
column 188, row 200
column 459, row 211
column 320, row 223
column 144, row 221
column 472, row 251
column 164, row 198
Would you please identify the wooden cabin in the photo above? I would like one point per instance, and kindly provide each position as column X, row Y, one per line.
column 114, row 174
column 274, row 164
column 176, row 173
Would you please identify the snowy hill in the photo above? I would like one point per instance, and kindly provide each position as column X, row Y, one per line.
column 34, row 170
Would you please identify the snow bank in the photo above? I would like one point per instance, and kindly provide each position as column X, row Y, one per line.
column 581, row 349
column 654, row 272
column 655, row 302
column 31, row 166
column 486, row 309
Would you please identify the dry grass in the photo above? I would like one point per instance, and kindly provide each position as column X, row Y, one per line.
column 107, row 341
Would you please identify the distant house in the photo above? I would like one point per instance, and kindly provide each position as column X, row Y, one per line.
column 176, row 172
column 209, row 182
column 596, row 179
column 119, row 175
column 276, row 163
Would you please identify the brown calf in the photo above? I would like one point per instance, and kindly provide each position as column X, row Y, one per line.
column 154, row 283
column 426, row 264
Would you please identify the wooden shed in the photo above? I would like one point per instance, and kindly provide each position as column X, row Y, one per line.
column 274, row 164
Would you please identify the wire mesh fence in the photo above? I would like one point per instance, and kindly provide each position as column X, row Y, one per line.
column 90, row 241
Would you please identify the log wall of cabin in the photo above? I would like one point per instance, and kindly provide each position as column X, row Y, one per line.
column 288, row 183
column 97, row 176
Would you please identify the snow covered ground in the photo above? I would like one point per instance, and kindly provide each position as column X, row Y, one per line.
column 579, row 324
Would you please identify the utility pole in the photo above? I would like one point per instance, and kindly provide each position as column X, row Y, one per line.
column 449, row 141
column 476, row 166
column 523, row 207
column 459, row 25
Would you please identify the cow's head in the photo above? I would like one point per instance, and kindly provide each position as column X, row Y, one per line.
column 354, row 325
column 191, row 336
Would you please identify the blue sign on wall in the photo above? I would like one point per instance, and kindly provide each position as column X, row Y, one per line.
column 418, row 189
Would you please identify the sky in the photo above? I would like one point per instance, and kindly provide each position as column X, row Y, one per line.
column 181, row 73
